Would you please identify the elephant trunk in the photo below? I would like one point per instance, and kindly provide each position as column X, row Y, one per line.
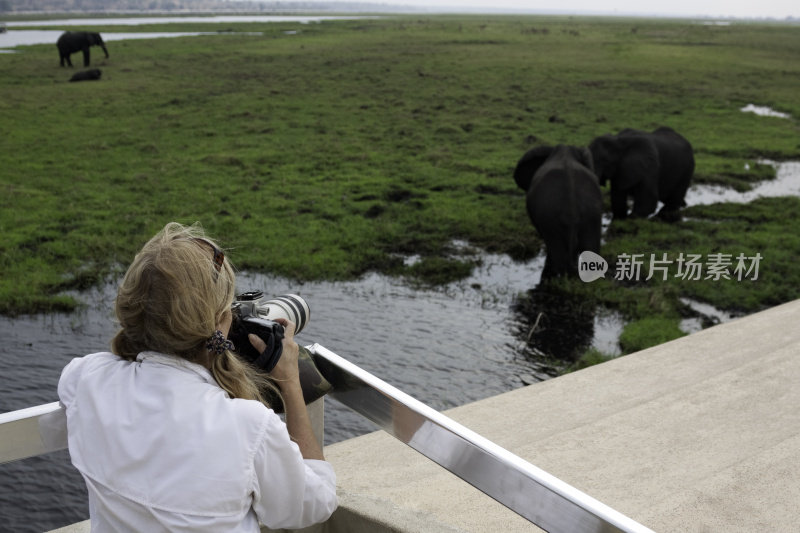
column 104, row 50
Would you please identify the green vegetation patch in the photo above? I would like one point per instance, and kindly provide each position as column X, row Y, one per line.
column 648, row 332
column 341, row 148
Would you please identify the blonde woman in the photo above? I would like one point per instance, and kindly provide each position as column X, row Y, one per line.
column 169, row 429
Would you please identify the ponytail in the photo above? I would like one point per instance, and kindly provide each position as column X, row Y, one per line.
column 239, row 379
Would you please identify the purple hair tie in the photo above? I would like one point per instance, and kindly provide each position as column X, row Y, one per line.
column 217, row 343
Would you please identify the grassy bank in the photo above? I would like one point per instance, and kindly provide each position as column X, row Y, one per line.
column 339, row 149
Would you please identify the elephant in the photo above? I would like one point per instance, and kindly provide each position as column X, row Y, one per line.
column 650, row 167
column 78, row 41
column 564, row 202
column 87, row 75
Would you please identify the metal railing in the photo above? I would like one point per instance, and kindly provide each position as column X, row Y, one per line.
column 539, row 497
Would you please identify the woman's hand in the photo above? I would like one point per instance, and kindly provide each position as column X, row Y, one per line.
column 286, row 370
column 287, row 377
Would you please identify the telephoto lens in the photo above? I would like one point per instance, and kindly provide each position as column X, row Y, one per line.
column 252, row 313
column 289, row 306
column 292, row 307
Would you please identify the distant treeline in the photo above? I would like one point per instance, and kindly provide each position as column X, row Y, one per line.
column 116, row 6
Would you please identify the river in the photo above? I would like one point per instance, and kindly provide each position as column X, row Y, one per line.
column 446, row 347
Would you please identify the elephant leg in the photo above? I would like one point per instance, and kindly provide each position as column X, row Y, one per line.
column 559, row 256
column 86, row 57
column 645, row 202
column 669, row 215
column 590, row 235
column 677, row 197
column 547, row 271
column 619, row 204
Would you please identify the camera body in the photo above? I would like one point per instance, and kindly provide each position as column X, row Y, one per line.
column 254, row 313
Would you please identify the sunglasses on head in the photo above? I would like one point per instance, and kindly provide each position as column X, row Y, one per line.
column 219, row 256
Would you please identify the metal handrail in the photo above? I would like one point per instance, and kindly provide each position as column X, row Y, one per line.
column 32, row 431
column 539, row 497
column 43, row 429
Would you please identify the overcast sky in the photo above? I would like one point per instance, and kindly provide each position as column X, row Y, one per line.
column 712, row 8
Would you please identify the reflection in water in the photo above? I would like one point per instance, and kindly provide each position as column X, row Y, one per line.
column 445, row 347
column 557, row 326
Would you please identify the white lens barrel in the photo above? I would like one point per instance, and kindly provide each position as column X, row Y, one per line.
column 292, row 307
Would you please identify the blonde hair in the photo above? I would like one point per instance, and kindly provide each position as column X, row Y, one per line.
column 170, row 301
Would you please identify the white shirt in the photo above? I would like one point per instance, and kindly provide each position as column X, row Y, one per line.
column 163, row 448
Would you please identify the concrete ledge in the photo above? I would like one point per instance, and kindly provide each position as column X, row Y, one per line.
column 698, row 434
column 356, row 514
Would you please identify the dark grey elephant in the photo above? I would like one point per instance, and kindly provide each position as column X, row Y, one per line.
column 78, row 41
column 564, row 202
column 650, row 167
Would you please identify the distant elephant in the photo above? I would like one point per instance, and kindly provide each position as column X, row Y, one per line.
column 564, row 202
column 78, row 41
column 87, row 75
column 650, row 167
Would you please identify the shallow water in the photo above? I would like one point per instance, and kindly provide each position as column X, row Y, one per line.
column 137, row 21
column 446, row 347
column 785, row 183
column 12, row 39
column 764, row 111
column 21, row 37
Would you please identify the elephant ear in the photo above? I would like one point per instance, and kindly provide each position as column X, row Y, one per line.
column 638, row 161
column 584, row 157
column 529, row 164
column 605, row 153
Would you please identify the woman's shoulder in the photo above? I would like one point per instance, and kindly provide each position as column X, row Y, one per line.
column 77, row 368
column 78, row 364
column 252, row 411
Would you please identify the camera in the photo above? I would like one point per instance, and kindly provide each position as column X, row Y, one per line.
column 254, row 313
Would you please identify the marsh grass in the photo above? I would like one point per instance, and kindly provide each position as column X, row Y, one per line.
column 342, row 148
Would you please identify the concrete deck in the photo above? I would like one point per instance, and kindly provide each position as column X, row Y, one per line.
column 698, row 434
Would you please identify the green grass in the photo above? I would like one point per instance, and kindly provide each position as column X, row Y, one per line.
column 648, row 332
column 341, row 149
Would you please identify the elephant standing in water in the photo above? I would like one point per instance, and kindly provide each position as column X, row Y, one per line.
column 564, row 203
column 651, row 167
column 78, row 41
